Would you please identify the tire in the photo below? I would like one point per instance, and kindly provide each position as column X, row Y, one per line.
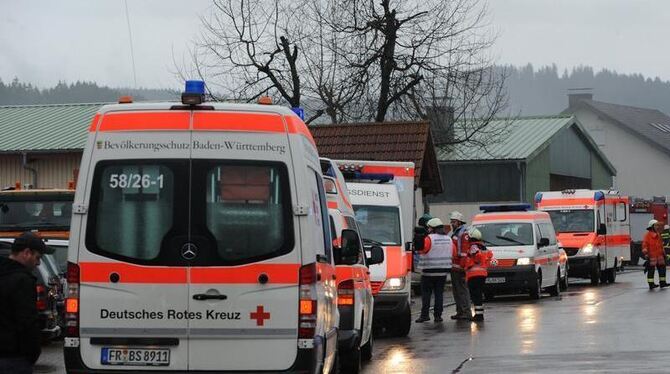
column 350, row 361
column 404, row 323
column 367, row 348
column 595, row 272
column 536, row 291
column 555, row 290
column 611, row 274
column 564, row 281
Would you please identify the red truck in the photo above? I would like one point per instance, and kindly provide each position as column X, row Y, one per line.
column 641, row 212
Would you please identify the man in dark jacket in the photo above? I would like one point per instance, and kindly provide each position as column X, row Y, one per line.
column 19, row 330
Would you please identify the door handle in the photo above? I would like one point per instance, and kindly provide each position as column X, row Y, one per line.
column 204, row 296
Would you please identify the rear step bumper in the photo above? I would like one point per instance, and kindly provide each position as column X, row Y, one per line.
column 74, row 365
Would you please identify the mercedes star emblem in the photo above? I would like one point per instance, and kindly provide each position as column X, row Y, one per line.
column 189, row 251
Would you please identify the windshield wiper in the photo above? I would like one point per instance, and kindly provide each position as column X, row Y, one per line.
column 510, row 240
column 372, row 242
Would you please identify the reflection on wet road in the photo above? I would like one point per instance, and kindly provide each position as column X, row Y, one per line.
column 611, row 328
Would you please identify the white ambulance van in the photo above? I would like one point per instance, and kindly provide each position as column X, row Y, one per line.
column 200, row 242
column 354, row 291
column 382, row 194
column 524, row 245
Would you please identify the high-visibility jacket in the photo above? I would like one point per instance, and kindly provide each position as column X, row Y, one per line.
column 652, row 246
column 461, row 246
column 435, row 260
column 478, row 261
column 665, row 236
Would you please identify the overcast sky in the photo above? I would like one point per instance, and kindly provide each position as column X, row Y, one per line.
column 44, row 41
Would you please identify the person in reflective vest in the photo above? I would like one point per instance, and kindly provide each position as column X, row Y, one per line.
column 665, row 236
column 435, row 263
column 460, row 249
column 652, row 249
column 476, row 270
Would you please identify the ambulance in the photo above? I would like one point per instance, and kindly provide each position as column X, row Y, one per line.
column 525, row 248
column 354, row 292
column 200, row 242
column 382, row 195
column 594, row 228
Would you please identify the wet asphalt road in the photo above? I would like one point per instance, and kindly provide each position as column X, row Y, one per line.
column 619, row 328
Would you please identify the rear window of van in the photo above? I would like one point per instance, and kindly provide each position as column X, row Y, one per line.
column 145, row 211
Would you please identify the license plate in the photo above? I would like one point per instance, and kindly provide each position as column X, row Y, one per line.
column 495, row 280
column 135, row 356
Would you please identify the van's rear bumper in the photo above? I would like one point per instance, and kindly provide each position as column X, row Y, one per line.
column 304, row 362
column 516, row 278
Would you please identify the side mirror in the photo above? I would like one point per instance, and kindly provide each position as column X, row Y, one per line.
column 350, row 250
column 602, row 229
column 375, row 255
column 543, row 242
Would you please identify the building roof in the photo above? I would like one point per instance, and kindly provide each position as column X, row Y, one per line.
column 650, row 124
column 518, row 139
column 42, row 128
column 388, row 141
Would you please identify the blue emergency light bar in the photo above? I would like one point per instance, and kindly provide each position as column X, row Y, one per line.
column 194, row 93
column 505, row 208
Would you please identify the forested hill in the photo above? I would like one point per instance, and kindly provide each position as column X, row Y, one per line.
column 20, row 93
column 544, row 90
column 532, row 91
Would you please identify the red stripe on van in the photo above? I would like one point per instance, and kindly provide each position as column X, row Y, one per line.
column 277, row 274
column 99, row 272
column 297, row 126
column 397, row 171
column 617, row 239
column 332, row 205
column 145, row 121
column 566, row 202
column 509, row 217
column 94, row 123
column 244, row 122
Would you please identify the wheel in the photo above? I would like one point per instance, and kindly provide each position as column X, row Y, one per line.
column 404, row 323
column 555, row 290
column 489, row 295
column 595, row 272
column 564, row 281
column 536, row 290
column 350, row 361
column 611, row 274
column 366, row 349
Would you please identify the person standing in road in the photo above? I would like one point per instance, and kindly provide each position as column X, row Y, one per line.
column 19, row 330
column 459, row 288
column 435, row 263
column 476, row 271
column 652, row 249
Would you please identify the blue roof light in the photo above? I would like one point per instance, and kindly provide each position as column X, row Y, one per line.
column 521, row 207
column 195, row 87
column 538, row 197
column 599, row 195
column 299, row 111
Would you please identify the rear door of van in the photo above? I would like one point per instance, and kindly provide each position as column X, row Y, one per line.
column 243, row 289
column 134, row 294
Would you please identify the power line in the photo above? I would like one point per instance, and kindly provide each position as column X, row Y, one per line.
column 130, row 37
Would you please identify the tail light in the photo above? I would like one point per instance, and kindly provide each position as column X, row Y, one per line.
column 41, row 297
column 345, row 293
column 308, row 304
column 72, row 301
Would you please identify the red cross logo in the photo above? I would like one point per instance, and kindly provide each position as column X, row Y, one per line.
column 259, row 315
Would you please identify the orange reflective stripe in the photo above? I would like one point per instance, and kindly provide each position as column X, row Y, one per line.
column 100, row 271
column 296, row 126
column 230, row 121
column 145, row 121
column 247, row 274
column 618, row 239
column 396, row 265
column 344, row 197
column 397, row 171
column 508, row 217
column 94, row 122
column 41, row 234
column 566, row 202
column 324, row 271
column 332, row 205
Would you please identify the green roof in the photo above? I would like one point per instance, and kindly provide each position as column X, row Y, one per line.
column 505, row 139
column 61, row 127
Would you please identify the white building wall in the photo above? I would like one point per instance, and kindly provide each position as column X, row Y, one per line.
column 643, row 170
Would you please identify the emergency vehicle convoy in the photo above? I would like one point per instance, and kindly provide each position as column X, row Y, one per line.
column 354, row 292
column 594, row 228
column 524, row 245
column 200, row 241
column 382, row 195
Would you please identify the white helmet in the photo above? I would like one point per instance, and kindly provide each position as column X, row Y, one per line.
column 666, row 227
column 475, row 234
column 458, row 216
column 434, row 222
column 652, row 223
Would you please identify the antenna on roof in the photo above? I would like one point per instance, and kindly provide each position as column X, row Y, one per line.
column 132, row 52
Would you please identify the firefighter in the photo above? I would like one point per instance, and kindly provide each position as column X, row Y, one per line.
column 652, row 250
column 421, row 232
column 435, row 260
column 458, row 286
column 665, row 236
column 476, row 264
